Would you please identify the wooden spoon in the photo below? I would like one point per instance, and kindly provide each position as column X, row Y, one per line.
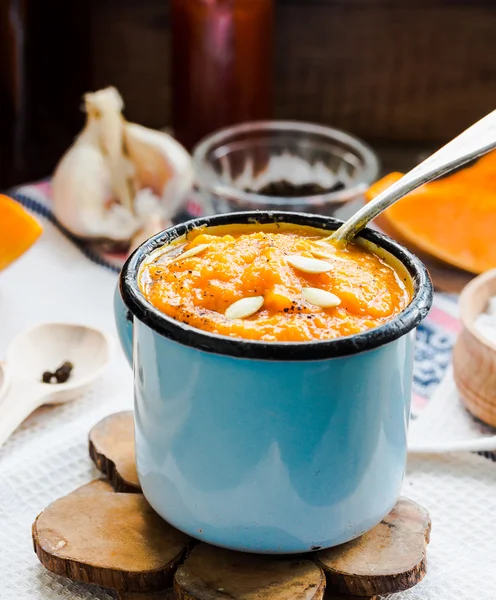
column 45, row 348
column 472, row 143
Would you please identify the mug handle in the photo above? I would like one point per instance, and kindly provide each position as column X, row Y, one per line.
column 124, row 323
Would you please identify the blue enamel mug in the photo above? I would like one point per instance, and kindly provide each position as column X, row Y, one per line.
column 270, row 447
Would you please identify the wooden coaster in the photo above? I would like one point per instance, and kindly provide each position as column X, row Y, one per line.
column 94, row 487
column 116, row 540
column 211, row 573
column 112, row 540
column 389, row 558
column 251, row 595
column 111, row 445
column 165, row 595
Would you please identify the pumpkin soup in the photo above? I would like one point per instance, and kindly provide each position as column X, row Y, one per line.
column 273, row 283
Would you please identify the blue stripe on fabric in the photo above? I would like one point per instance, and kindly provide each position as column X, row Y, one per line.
column 432, row 357
column 39, row 208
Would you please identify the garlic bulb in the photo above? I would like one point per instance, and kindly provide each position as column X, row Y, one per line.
column 151, row 225
column 112, row 169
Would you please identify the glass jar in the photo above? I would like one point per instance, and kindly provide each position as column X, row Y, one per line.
column 283, row 165
column 221, row 64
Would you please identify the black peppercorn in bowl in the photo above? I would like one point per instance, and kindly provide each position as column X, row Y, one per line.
column 282, row 165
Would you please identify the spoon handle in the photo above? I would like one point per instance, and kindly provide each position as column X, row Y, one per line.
column 486, row 444
column 20, row 401
column 472, row 143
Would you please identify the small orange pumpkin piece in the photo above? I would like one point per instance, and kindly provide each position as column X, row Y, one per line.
column 452, row 219
column 18, row 231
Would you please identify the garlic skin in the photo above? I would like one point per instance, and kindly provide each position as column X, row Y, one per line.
column 83, row 198
column 148, row 209
column 151, row 226
column 161, row 164
column 98, row 183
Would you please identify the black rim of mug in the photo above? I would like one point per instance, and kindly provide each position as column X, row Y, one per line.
column 186, row 335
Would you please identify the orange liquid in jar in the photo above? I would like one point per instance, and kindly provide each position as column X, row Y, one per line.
column 252, row 261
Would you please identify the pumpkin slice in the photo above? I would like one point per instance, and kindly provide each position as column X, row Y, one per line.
column 444, row 276
column 18, row 231
column 453, row 219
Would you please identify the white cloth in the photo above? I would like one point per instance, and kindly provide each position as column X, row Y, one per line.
column 459, row 490
column 445, row 421
column 48, row 456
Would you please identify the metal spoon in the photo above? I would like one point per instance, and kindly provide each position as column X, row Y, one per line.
column 472, row 143
column 44, row 348
column 481, row 444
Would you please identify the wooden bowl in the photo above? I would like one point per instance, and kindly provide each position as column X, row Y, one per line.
column 474, row 357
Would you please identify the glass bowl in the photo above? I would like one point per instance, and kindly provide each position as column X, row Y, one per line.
column 242, row 167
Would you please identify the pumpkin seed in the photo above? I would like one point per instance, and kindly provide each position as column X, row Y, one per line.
column 245, row 307
column 320, row 254
column 193, row 251
column 320, row 297
column 308, row 265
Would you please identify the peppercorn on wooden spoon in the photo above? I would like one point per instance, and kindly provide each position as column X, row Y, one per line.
column 40, row 351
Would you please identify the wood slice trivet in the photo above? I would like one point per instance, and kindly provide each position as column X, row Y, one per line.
column 165, row 595
column 211, row 573
column 94, row 487
column 116, row 540
column 111, row 540
column 111, row 445
column 169, row 595
column 389, row 558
